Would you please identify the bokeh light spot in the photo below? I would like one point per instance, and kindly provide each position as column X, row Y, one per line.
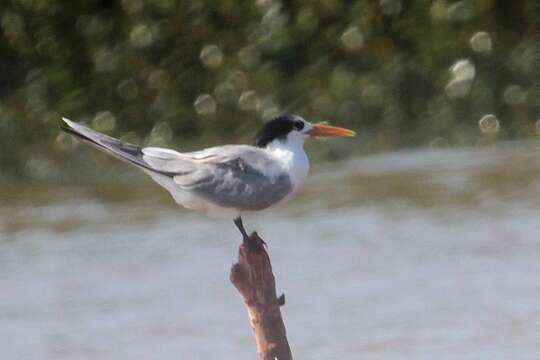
column 462, row 75
column 514, row 95
column 211, row 56
column 160, row 135
column 205, row 104
column 481, row 42
column 249, row 101
column 269, row 108
column 352, row 39
column 489, row 124
column 460, row 11
column 104, row 121
column 141, row 36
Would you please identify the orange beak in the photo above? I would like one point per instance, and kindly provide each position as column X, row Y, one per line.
column 328, row 130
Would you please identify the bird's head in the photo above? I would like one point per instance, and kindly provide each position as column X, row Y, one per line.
column 293, row 129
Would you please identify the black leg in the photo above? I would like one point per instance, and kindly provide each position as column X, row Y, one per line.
column 240, row 226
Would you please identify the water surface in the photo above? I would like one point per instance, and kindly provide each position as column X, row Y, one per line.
column 431, row 254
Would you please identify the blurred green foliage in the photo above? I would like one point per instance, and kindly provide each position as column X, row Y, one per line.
column 167, row 72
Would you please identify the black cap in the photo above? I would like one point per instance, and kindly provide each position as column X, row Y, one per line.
column 278, row 128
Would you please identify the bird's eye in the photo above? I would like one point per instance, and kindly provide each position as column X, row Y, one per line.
column 298, row 125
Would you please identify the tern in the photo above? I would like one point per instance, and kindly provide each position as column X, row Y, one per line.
column 229, row 180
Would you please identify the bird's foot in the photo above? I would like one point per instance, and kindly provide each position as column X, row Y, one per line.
column 254, row 242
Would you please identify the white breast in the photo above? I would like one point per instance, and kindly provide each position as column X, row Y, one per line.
column 292, row 160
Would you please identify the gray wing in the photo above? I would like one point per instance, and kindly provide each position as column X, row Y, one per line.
column 236, row 176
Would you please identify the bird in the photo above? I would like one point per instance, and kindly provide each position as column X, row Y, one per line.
column 229, row 180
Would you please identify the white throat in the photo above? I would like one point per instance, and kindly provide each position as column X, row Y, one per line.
column 291, row 157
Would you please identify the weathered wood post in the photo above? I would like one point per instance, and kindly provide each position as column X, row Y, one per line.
column 252, row 276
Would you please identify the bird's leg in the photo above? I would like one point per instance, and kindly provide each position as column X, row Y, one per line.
column 253, row 241
column 240, row 226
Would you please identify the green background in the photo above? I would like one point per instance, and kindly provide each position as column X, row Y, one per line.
column 188, row 74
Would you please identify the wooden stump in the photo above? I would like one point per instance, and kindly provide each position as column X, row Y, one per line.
column 252, row 276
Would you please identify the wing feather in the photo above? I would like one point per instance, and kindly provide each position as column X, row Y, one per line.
column 236, row 176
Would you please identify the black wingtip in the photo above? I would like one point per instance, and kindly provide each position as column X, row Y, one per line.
column 63, row 125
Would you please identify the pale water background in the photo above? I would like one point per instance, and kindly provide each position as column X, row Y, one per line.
column 432, row 254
